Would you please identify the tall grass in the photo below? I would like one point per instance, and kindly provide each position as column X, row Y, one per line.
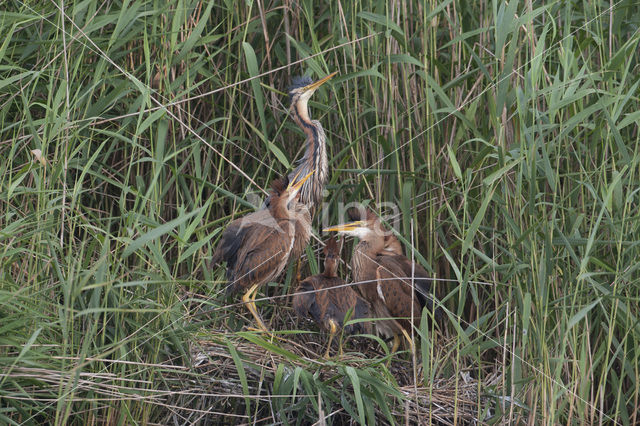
column 132, row 132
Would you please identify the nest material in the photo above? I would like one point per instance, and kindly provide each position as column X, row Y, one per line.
column 443, row 401
column 451, row 398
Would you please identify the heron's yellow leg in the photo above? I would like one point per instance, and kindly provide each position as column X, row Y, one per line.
column 332, row 331
column 396, row 343
column 409, row 340
column 249, row 300
column 298, row 271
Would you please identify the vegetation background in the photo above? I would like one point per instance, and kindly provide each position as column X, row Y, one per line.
column 133, row 131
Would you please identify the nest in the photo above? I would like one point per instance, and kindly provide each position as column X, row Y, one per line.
column 463, row 396
column 453, row 400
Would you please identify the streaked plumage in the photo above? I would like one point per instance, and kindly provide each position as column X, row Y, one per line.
column 302, row 229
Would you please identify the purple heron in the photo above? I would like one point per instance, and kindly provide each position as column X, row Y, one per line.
column 315, row 156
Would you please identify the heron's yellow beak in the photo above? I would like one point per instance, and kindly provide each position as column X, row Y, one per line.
column 346, row 227
column 313, row 86
column 297, row 185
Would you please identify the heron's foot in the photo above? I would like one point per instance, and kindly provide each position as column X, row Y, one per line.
column 249, row 301
column 333, row 330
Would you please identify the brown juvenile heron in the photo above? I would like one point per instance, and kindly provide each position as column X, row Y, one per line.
column 384, row 277
column 258, row 246
column 326, row 298
column 315, row 156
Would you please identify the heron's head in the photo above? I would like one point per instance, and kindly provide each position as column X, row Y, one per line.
column 303, row 87
column 331, row 249
column 295, row 185
column 332, row 256
column 359, row 228
column 284, row 192
column 366, row 227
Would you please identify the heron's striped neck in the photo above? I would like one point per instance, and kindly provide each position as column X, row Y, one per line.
column 300, row 112
column 315, row 157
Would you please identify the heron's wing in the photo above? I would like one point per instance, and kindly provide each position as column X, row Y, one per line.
column 255, row 248
column 342, row 300
column 302, row 299
column 395, row 291
column 237, row 233
column 261, row 259
column 422, row 281
column 308, row 302
column 361, row 310
column 228, row 246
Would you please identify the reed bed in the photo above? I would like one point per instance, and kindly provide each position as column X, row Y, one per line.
column 504, row 133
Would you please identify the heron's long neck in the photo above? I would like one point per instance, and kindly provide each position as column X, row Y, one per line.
column 315, row 156
column 364, row 258
column 330, row 269
column 278, row 208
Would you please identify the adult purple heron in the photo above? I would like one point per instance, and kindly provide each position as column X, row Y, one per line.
column 315, row 156
column 327, row 300
column 257, row 247
column 383, row 276
column 314, row 159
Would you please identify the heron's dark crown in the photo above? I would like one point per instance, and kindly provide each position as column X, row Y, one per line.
column 278, row 186
column 355, row 213
column 331, row 249
column 298, row 82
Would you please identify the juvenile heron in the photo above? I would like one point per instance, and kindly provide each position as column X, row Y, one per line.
column 384, row 277
column 257, row 247
column 326, row 299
